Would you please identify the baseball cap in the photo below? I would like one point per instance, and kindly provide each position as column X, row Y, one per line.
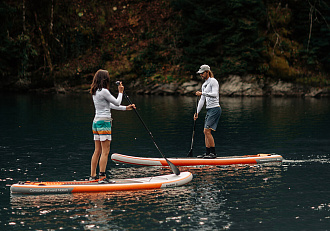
column 203, row 68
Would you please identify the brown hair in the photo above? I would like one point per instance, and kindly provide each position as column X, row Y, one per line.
column 210, row 74
column 101, row 80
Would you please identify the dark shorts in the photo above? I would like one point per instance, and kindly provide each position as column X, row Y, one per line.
column 212, row 118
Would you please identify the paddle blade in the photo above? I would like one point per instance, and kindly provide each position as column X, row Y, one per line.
column 175, row 170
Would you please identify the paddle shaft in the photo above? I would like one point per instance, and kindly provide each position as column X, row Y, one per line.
column 175, row 170
column 190, row 154
column 192, row 137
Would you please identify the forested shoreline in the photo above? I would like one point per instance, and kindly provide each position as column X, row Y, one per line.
column 61, row 44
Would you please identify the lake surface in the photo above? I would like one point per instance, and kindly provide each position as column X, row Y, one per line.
column 48, row 137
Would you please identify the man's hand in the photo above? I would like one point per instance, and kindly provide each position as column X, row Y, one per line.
column 198, row 93
column 195, row 116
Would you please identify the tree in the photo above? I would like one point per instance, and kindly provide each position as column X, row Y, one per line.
column 312, row 28
column 223, row 34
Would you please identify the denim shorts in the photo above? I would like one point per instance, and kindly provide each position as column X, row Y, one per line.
column 212, row 118
column 102, row 129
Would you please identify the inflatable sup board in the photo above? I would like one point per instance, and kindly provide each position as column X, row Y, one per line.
column 194, row 161
column 154, row 182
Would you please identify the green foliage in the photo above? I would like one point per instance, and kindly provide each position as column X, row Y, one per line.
column 65, row 42
column 315, row 80
column 8, row 50
column 222, row 34
column 311, row 27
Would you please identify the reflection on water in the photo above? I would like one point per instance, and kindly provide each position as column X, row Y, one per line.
column 94, row 210
column 48, row 137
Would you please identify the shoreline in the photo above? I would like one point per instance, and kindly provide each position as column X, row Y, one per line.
column 233, row 86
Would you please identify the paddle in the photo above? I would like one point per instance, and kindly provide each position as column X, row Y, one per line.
column 175, row 170
column 190, row 154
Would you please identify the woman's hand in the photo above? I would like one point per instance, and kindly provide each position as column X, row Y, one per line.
column 130, row 107
column 121, row 87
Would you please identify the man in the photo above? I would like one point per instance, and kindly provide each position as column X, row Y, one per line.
column 210, row 94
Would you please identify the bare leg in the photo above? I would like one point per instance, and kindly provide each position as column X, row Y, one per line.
column 95, row 157
column 104, row 155
column 209, row 141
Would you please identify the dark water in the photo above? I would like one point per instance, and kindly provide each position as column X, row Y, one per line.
column 48, row 137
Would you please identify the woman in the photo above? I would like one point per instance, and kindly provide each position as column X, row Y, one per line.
column 104, row 101
column 210, row 94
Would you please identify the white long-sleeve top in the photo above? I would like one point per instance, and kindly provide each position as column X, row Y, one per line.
column 210, row 94
column 104, row 102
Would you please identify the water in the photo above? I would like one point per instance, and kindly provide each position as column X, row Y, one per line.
column 48, row 137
